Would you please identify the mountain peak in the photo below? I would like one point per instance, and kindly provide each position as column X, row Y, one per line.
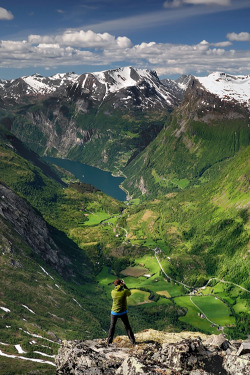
column 228, row 87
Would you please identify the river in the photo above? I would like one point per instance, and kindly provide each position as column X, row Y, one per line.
column 91, row 175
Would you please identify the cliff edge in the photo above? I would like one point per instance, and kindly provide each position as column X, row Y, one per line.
column 156, row 353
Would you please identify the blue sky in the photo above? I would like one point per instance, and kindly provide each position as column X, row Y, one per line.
column 173, row 37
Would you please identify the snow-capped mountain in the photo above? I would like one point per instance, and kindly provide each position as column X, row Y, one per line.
column 228, row 87
column 178, row 87
column 35, row 85
column 126, row 86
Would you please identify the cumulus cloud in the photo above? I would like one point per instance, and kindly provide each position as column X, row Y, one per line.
column 79, row 47
column 83, row 39
column 5, row 14
column 241, row 37
column 178, row 3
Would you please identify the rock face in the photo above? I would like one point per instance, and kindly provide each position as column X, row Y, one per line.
column 29, row 224
column 156, row 352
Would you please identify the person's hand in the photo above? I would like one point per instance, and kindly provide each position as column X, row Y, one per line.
column 122, row 282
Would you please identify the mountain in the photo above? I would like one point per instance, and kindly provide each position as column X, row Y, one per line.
column 208, row 127
column 181, row 245
column 17, row 91
column 177, row 88
column 232, row 89
column 103, row 119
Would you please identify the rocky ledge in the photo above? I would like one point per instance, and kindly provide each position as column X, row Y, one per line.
column 156, row 353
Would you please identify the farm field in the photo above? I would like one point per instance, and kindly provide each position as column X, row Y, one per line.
column 192, row 317
column 213, row 308
column 138, row 297
column 135, row 271
column 96, row 218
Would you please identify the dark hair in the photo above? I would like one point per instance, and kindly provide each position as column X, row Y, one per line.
column 117, row 282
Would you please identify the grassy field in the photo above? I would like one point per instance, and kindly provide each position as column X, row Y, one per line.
column 138, row 297
column 211, row 306
column 192, row 317
column 214, row 309
column 96, row 217
column 10, row 366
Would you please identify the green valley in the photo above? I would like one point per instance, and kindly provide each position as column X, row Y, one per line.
column 180, row 240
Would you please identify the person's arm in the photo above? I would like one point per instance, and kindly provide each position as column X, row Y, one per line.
column 127, row 290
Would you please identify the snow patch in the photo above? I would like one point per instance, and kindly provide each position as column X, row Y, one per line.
column 4, row 309
column 34, row 335
column 19, row 349
column 78, row 303
column 26, row 307
column 44, row 354
column 228, row 87
column 26, row 359
column 46, row 272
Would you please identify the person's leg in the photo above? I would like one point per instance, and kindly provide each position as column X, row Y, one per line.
column 128, row 328
column 112, row 328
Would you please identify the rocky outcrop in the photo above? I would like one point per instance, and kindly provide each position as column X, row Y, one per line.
column 29, row 224
column 156, row 353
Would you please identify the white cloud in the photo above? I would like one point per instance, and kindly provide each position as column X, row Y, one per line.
column 83, row 39
column 5, row 14
column 179, row 3
column 73, row 47
column 241, row 37
column 11, row 45
column 222, row 44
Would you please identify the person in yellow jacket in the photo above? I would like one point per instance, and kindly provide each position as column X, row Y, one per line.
column 119, row 310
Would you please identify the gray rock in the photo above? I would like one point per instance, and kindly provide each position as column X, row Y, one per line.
column 218, row 341
column 244, row 348
column 171, row 355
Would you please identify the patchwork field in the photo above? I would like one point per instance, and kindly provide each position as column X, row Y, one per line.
column 135, row 271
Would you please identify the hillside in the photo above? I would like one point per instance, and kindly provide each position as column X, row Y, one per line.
column 51, row 250
column 207, row 128
column 180, row 243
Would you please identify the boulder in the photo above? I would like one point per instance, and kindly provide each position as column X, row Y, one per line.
column 156, row 353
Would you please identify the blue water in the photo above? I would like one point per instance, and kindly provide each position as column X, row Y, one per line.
column 91, row 175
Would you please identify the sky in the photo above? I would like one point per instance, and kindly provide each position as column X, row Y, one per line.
column 172, row 37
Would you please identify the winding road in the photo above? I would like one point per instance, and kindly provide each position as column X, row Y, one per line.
column 156, row 250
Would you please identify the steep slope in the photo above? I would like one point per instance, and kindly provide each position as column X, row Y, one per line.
column 103, row 118
column 49, row 254
column 48, row 290
column 209, row 126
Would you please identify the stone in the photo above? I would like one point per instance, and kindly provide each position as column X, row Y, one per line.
column 218, row 341
column 156, row 353
column 244, row 348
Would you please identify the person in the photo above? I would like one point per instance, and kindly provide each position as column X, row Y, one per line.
column 119, row 310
